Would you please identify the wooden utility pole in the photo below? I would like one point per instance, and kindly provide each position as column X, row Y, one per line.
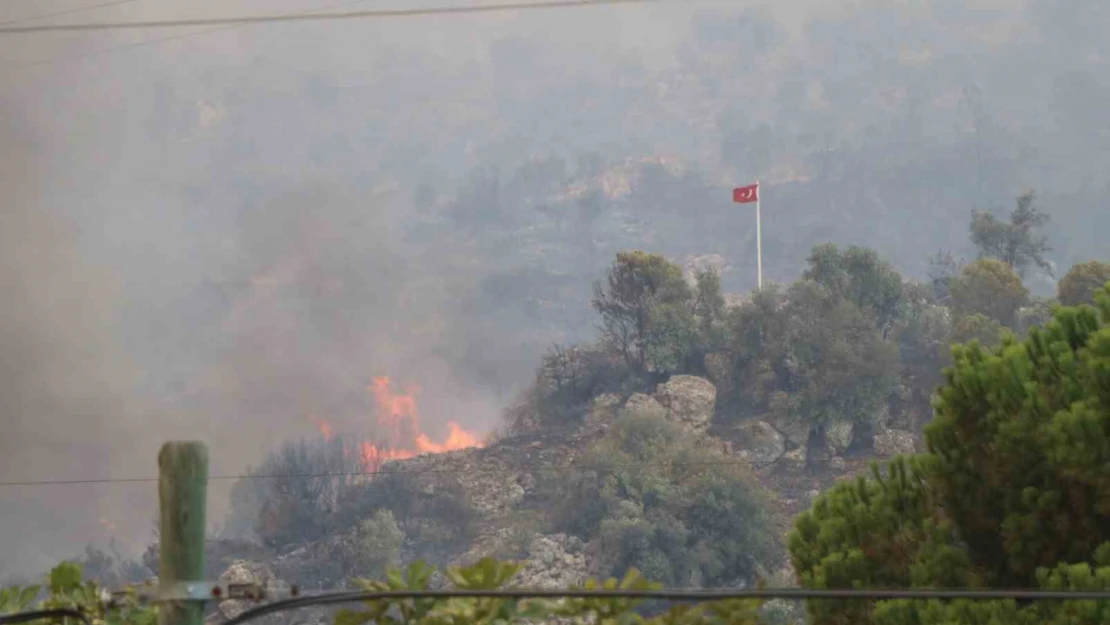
column 182, row 490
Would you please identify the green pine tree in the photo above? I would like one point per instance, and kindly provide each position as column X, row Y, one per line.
column 1013, row 491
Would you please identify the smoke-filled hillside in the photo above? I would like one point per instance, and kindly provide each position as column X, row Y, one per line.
column 272, row 216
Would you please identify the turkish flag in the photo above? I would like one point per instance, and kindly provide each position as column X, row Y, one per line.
column 746, row 195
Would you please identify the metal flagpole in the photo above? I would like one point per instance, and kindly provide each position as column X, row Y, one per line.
column 758, row 241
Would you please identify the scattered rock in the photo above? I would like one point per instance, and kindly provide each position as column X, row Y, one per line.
column 554, row 561
column 793, row 428
column 758, row 442
column 606, row 401
column 527, row 481
column 246, row 572
column 838, row 436
column 783, row 611
column 645, row 405
column 793, row 460
column 893, row 442
column 904, row 393
column 488, row 479
column 837, row 463
column 603, row 409
column 906, row 419
column 882, row 416
column 689, row 400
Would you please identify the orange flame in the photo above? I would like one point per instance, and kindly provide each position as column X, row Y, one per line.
column 397, row 413
column 325, row 428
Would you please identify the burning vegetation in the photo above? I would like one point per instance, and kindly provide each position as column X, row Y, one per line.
column 399, row 433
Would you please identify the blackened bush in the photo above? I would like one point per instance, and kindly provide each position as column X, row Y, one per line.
column 570, row 377
column 294, row 495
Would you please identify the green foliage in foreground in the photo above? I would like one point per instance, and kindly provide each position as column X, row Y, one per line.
column 65, row 589
column 1012, row 493
column 490, row 574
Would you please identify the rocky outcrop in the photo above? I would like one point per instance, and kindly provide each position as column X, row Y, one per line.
column 793, row 460
column 603, row 409
column 244, row 572
column 689, row 400
column 554, row 561
column 758, row 442
column 838, row 436
column 248, row 572
column 645, row 405
column 893, row 442
column 488, row 479
column 793, row 427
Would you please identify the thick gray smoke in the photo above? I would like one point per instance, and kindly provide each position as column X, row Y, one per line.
column 63, row 379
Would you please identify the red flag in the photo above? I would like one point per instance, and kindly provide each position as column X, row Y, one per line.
column 746, row 195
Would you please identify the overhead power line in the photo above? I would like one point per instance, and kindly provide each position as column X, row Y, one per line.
column 305, row 476
column 678, row 596
column 664, row 595
column 67, row 12
column 370, row 14
column 160, row 40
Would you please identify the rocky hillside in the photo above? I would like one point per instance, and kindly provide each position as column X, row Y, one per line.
column 684, row 446
column 503, row 486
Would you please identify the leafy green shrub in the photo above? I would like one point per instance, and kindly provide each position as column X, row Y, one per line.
column 922, row 334
column 436, row 519
column 637, row 281
column 859, row 276
column 1082, row 281
column 490, row 574
column 672, row 337
column 64, row 588
column 381, row 540
column 991, row 288
column 976, row 327
column 658, row 499
column 652, row 324
column 810, row 353
column 1014, row 243
column 1035, row 314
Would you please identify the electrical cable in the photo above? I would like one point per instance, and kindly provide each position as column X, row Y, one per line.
column 298, row 476
column 160, row 40
column 370, row 14
column 663, row 595
column 34, row 615
column 66, row 12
